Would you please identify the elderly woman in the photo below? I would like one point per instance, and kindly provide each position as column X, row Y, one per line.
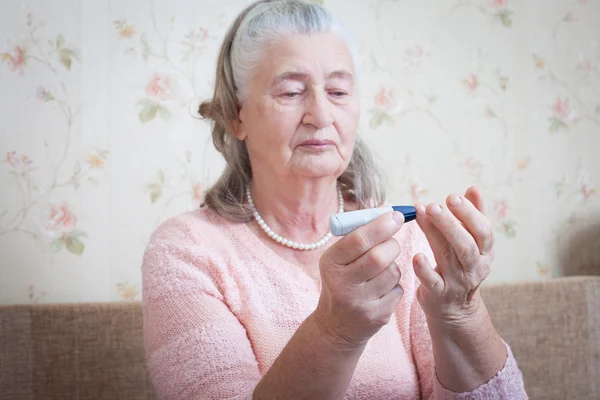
column 250, row 296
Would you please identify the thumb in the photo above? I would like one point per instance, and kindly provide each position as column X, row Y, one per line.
column 429, row 277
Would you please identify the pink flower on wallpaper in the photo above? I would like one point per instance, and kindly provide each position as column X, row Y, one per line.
column 523, row 163
column 473, row 165
column 124, row 29
column 585, row 186
column 414, row 55
column 561, row 109
column 543, row 269
column 499, row 4
column 15, row 58
column 127, row 292
column 502, row 209
column 96, row 160
column 385, row 99
column 584, row 66
column 197, row 193
column 471, row 83
column 199, row 35
column 501, row 11
column 161, row 87
column 418, row 192
column 539, row 62
column 58, row 224
column 507, row 226
column 61, row 218
column 43, row 94
column 21, row 164
column 11, row 159
column 386, row 106
column 562, row 115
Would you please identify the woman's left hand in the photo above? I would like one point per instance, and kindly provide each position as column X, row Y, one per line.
column 462, row 241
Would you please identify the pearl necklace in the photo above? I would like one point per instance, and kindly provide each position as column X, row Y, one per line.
column 287, row 242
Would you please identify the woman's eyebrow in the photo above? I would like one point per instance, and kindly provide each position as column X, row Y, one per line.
column 303, row 77
column 341, row 74
column 290, row 76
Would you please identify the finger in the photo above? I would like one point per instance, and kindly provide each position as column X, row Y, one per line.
column 357, row 243
column 382, row 283
column 387, row 304
column 442, row 250
column 474, row 221
column 459, row 240
column 474, row 195
column 427, row 275
column 374, row 261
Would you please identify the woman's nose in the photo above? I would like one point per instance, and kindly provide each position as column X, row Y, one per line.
column 318, row 111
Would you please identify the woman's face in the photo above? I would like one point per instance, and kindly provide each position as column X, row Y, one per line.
column 302, row 109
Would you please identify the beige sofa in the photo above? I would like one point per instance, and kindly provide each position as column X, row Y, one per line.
column 94, row 351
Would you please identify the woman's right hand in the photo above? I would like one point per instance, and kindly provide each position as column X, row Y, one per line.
column 360, row 282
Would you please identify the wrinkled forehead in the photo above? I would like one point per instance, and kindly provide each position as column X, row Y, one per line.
column 315, row 57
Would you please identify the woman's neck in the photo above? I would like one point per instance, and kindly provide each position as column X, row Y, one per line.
column 296, row 209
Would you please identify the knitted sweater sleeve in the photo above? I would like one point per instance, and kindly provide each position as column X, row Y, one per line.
column 196, row 348
column 507, row 384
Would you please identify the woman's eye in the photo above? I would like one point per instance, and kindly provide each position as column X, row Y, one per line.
column 292, row 94
column 338, row 93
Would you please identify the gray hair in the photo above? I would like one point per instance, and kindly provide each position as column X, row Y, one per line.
column 261, row 23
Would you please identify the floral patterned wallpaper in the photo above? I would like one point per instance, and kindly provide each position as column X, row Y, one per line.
column 99, row 140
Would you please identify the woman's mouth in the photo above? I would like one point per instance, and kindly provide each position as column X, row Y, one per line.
column 315, row 144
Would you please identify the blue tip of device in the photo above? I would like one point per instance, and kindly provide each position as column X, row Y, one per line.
column 410, row 213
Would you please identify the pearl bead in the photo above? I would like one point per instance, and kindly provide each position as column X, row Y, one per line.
column 286, row 242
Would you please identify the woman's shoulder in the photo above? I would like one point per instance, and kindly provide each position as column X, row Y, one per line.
column 189, row 249
column 193, row 227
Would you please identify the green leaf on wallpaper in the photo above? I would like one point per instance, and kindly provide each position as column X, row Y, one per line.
column 73, row 242
column 510, row 229
column 505, row 18
column 556, row 125
column 146, row 47
column 376, row 120
column 60, row 41
column 148, row 113
column 560, row 186
column 379, row 118
column 155, row 190
column 164, row 112
column 57, row 245
column 66, row 57
column 161, row 176
column 77, row 168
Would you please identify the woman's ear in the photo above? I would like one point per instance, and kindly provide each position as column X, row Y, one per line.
column 239, row 130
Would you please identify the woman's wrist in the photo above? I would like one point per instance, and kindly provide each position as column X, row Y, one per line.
column 328, row 331
column 463, row 320
column 467, row 349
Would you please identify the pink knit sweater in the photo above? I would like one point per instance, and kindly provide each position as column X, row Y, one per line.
column 219, row 306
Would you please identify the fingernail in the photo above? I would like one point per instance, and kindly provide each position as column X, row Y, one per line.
column 435, row 210
column 398, row 217
column 421, row 210
column 455, row 201
column 420, row 260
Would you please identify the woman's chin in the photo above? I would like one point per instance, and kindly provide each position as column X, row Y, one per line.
column 317, row 171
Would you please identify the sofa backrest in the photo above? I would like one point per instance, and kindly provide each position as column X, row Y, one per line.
column 95, row 351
